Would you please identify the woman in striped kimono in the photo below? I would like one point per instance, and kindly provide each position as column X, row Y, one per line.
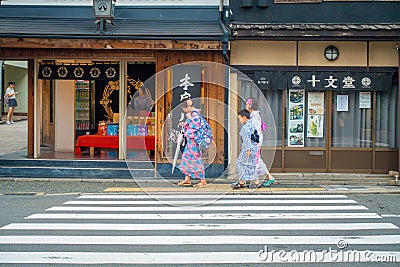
column 192, row 165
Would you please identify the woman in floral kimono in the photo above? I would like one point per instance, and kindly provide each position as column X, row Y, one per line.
column 252, row 107
column 246, row 163
column 192, row 165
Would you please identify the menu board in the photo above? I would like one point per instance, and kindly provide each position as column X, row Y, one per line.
column 296, row 118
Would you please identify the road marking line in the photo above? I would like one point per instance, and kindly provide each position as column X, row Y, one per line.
column 210, row 188
column 206, row 208
column 204, row 216
column 295, row 189
column 223, row 201
column 174, row 257
column 199, row 240
column 156, row 196
column 196, row 227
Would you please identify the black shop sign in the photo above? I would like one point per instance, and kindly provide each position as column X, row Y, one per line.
column 323, row 80
column 79, row 72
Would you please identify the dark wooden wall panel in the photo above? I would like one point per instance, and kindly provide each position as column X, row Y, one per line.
column 351, row 160
column 386, row 161
column 274, row 157
column 304, row 159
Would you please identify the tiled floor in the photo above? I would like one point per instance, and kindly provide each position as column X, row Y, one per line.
column 13, row 137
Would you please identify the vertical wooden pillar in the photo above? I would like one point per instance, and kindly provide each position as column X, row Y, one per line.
column 398, row 104
column 31, row 107
column 233, row 122
column 37, row 111
column 122, row 109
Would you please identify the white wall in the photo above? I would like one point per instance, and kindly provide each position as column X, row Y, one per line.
column 64, row 120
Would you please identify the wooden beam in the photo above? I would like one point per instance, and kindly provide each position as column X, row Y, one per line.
column 31, row 107
column 108, row 44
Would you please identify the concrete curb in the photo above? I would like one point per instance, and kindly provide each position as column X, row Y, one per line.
column 209, row 193
column 281, row 179
column 218, row 186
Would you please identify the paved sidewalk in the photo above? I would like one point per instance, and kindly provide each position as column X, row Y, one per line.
column 14, row 137
column 83, row 186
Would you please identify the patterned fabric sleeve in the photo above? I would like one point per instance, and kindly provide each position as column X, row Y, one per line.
column 246, row 133
column 192, row 126
column 256, row 120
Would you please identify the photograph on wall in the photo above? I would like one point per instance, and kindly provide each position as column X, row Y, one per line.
column 296, row 111
column 296, row 96
column 316, row 103
column 315, row 126
column 296, row 139
column 296, row 127
column 296, row 118
column 365, row 100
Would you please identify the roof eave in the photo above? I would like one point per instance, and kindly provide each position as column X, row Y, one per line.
column 312, row 35
column 114, row 37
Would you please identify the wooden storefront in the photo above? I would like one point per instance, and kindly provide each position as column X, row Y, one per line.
column 36, row 51
column 160, row 35
column 355, row 139
column 276, row 42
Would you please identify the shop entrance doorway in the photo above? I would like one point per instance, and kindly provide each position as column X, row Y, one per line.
column 80, row 117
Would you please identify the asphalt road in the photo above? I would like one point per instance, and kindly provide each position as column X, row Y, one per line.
column 114, row 230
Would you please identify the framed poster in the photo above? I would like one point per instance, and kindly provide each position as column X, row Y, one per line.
column 365, row 100
column 315, row 114
column 296, row 118
column 342, row 103
column 316, row 103
column 315, row 126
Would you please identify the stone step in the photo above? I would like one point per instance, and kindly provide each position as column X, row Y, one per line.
column 76, row 163
column 67, row 172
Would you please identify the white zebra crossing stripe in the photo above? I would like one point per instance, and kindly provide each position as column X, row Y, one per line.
column 207, row 208
column 196, row 202
column 200, row 240
column 197, row 227
column 195, row 196
column 202, row 216
column 182, row 257
column 63, row 223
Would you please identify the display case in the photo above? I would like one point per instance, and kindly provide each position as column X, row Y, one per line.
column 84, row 107
column 142, row 123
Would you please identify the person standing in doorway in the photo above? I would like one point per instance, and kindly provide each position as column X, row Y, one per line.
column 142, row 101
column 12, row 101
column 262, row 170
